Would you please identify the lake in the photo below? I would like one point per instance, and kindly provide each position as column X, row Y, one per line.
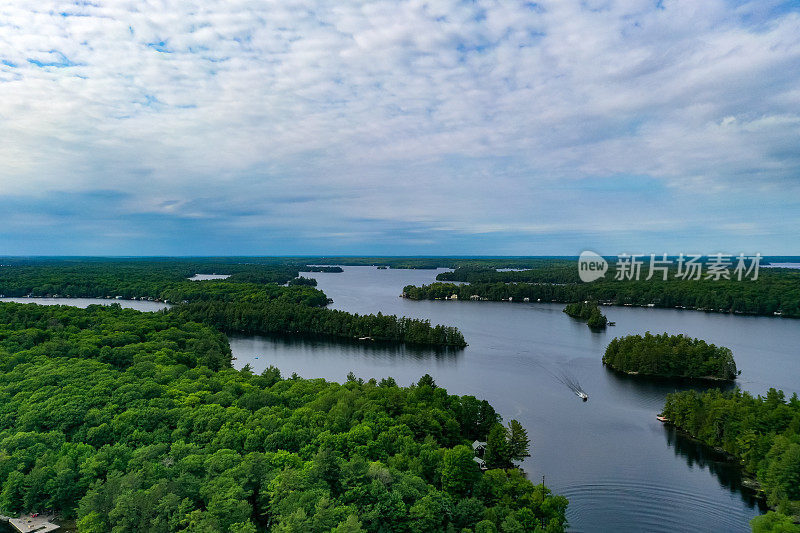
column 621, row 469
column 206, row 277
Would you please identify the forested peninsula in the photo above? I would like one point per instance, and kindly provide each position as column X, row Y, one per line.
column 673, row 356
column 762, row 433
column 131, row 421
column 252, row 300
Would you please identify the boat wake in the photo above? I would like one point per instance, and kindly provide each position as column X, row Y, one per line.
column 573, row 384
column 568, row 380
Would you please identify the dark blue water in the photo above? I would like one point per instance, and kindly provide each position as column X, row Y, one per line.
column 621, row 469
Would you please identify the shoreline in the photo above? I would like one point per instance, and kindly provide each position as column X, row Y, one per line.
column 749, row 481
column 480, row 298
column 661, row 377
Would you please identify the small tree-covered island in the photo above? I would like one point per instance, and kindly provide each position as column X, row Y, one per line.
column 588, row 311
column 670, row 356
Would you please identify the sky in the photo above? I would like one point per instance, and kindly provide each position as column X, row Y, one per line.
column 399, row 128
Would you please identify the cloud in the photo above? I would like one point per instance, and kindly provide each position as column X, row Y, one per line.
column 309, row 119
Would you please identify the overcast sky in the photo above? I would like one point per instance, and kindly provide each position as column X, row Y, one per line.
column 399, row 127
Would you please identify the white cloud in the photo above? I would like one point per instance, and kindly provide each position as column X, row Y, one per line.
column 394, row 108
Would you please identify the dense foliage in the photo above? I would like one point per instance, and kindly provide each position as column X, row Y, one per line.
column 762, row 432
column 773, row 522
column 135, row 422
column 670, row 356
column 775, row 291
column 249, row 301
column 588, row 311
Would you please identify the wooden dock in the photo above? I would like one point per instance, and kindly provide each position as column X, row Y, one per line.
column 34, row 524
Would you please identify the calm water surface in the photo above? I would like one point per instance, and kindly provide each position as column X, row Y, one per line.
column 620, row 468
column 205, row 277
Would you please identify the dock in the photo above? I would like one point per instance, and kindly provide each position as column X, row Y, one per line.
column 34, row 524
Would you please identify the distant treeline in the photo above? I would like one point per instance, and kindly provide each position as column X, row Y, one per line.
column 670, row 356
column 588, row 311
column 541, row 271
column 561, row 270
column 327, row 269
column 775, row 292
column 251, row 300
column 482, row 263
column 132, row 278
column 762, row 433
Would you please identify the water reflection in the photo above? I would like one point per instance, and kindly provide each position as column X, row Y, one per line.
column 365, row 348
column 725, row 469
column 311, row 358
column 650, row 391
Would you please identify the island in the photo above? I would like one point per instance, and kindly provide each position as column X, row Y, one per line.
column 761, row 433
column 588, row 311
column 670, row 356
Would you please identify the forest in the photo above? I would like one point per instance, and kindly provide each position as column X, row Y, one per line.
column 775, row 292
column 762, row 433
column 252, row 300
column 674, row 356
column 130, row 421
column 588, row 311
